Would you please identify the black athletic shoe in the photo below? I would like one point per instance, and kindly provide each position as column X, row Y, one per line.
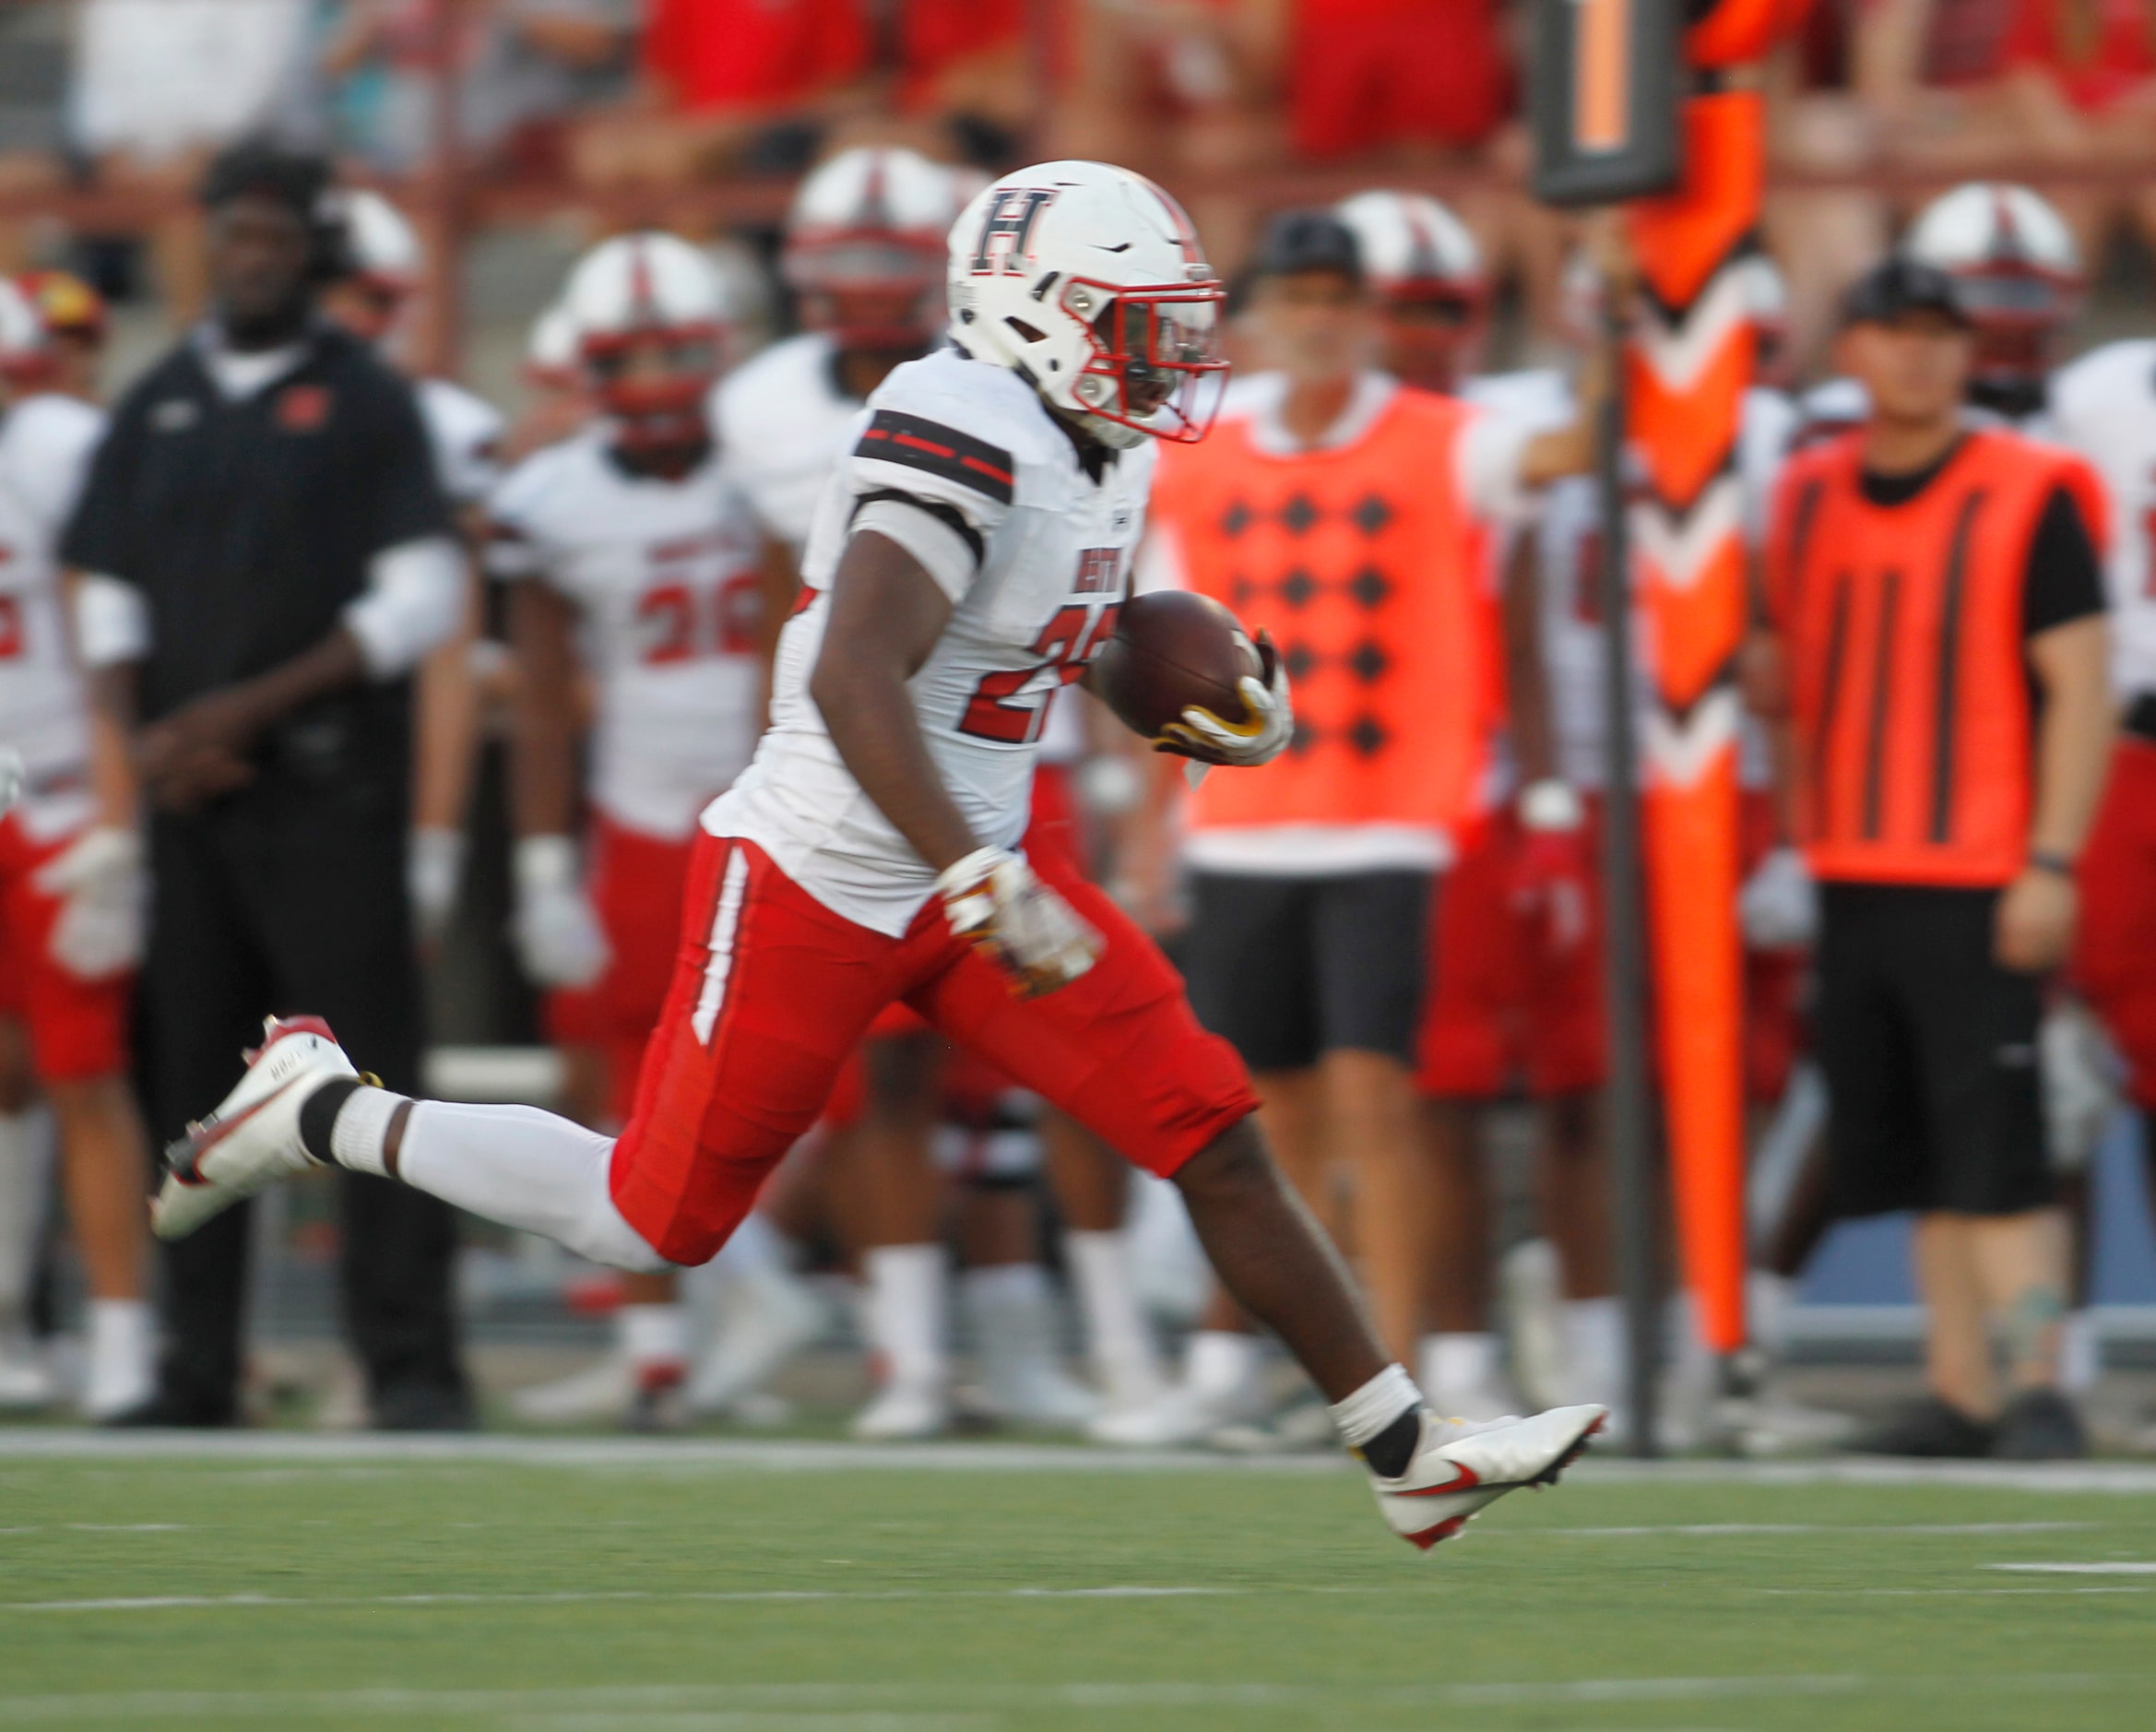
column 2040, row 1425
column 1927, row 1427
column 422, row 1407
column 165, row 1411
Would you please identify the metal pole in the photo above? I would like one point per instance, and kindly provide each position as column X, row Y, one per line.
column 1632, row 1114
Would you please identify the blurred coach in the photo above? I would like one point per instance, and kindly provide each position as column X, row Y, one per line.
column 1939, row 616
column 265, row 557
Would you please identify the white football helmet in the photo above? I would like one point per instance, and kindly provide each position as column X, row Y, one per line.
column 864, row 247
column 1427, row 272
column 1086, row 280
column 24, row 347
column 551, row 359
column 1767, row 300
column 650, row 317
column 380, row 246
column 2019, row 273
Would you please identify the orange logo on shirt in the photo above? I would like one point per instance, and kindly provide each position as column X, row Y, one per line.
column 302, row 408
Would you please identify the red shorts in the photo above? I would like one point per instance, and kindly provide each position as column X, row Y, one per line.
column 1054, row 844
column 77, row 1028
column 772, row 990
column 2115, row 955
column 1504, row 1005
column 1366, row 76
column 636, row 886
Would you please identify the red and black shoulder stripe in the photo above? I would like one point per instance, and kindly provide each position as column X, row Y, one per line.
column 929, row 446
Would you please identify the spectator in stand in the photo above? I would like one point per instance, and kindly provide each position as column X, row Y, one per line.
column 160, row 84
column 1192, row 86
column 966, row 82
column 2081, row 77
column 523, row 65
column 729, row 83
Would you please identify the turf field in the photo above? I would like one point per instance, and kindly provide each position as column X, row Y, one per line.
column 813, row 1588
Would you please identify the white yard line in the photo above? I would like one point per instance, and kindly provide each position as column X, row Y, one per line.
column 520, row 1705
column 248, row 1602
column 2114, row 1567
column 298, row 1450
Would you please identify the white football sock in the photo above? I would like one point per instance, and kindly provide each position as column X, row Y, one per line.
column 1375, row 1406
column 26, row 1169
column 1768, row 1298
column 2080, row 1353
column 524, row 1168
column 1458, row 1365
column 1594, row 1349
column 1013, row 1314
column 652, row 1336
column 904, row 1307
column 358, row 1133
column 1117, row 1341
column 121, row 1373
column 756, row 1251
column 1222, row 1362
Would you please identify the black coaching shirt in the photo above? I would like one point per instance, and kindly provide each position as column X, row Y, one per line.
column 247, row 526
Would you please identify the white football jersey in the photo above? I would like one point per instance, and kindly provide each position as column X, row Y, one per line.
column 466, row 433
column 2104, row 407
column 45, row 446
column 959, row 463
column 785, row 423
column 667, row 577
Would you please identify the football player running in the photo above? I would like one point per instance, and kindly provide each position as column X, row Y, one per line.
column 967, row 561
column 865, row 253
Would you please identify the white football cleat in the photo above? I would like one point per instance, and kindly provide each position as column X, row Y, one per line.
column 1184, row 1416
column 252, row 1140
column 764, row 1321
column 904, row 1412
column 1460, row 1469
column 602, row 1391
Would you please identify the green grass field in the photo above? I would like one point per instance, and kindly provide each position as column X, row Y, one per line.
column 596, row 1587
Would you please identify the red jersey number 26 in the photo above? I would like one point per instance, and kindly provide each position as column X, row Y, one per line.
column 1065, row 645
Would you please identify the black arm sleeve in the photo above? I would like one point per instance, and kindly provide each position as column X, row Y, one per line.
column 96, row 538
column 2064, row 581
column 409, row 504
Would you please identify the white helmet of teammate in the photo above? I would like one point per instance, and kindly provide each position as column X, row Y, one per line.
column 2019, row 273
column 1428, row 271
column 1086, row 280
column 1767, row 300
column 23, row 344
column 649, row 314
column 551, row 359
column 380, row 246
column 865, row 243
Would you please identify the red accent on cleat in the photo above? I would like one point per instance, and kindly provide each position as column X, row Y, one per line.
column 275, row 1028
column 1467, row 1481
column 1430, row 1535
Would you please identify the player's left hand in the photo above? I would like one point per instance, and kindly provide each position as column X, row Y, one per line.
column 2034, row 928
column 1262, row 737
column 101, row 876
column 199, row 751
column 994, row 901
column 1551, row 873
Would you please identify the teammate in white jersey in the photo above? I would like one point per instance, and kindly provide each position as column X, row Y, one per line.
column 634, row 563
column 384, row 268
column 865, row 257
column 966, row 563
column 71, row 895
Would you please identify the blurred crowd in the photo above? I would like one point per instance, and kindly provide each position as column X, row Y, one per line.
column 615, row 106
column 595, row 671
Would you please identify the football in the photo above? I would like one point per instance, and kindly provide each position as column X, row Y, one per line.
column 1172, row 651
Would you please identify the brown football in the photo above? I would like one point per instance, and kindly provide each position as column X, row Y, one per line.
column 1171, row 650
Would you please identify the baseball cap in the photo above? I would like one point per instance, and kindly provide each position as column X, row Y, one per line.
column 1307, row 240
column 1898, row 286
